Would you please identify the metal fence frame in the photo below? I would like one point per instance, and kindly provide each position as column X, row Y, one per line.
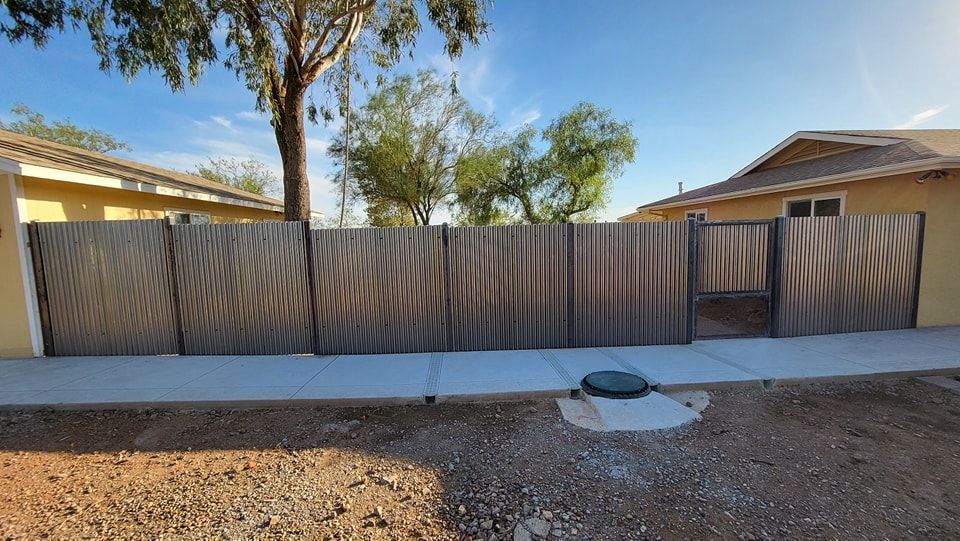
column 418, row 289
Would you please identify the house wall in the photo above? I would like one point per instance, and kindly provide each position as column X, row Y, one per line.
column 15, row 336
column 54, row 201
column 940, row 199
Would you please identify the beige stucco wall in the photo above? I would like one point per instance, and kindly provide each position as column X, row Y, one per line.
column 54, row 201
column 940, row 199
column 15, row 337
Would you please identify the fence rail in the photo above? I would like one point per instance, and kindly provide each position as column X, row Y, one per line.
column 147, row 287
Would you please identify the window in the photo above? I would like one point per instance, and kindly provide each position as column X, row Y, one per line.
column 699, row 215
column 187, row 217
column 827, row 204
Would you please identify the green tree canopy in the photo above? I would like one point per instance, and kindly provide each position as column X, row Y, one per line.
column 412, row 144
column 586, row 149
column 61, row 131
column 278, row 48
column 249, row 175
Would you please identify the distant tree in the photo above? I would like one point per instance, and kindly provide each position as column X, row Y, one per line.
column 412, row 143
column 249, row 175
column 278, row 48
column 61, row 131
column 569, row 181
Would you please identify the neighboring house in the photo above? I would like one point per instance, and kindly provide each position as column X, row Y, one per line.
column 45, row 181
column 831, row 173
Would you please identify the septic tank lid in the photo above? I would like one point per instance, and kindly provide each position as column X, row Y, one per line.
column 613, row 384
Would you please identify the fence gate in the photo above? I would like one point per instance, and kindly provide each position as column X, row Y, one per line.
column 734, row 281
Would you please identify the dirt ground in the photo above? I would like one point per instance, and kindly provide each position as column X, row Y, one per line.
column 853, row 461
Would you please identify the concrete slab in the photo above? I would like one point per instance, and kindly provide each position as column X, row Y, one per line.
column 390, row 378
column 869, row 348
column 48, row 373
column 683, row 366
column 776, row 359
column 946, row 383
column 474, row 375
column 14, row 398
column 350, row 395
column 127, row 398
column 150, row 373
column 579, row 362
column 652, row 412
column 227, row 397
column 262, row 371
column 944, row 337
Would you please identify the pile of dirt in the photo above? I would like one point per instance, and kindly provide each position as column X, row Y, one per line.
column 843, row 461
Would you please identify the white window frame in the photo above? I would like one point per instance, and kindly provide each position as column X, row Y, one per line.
column 168, row 210
column 814, row 197
column 706, row 215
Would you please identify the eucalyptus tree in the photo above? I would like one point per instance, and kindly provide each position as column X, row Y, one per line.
column 278, row 48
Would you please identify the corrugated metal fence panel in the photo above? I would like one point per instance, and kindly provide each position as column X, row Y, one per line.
column 379, row 290
column 630, row 283
column 243, row 288
column 509, row 287
column 848, row 274
column 732, row 257
column 108, row 285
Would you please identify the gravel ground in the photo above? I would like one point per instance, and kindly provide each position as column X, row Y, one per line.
column 853, row 461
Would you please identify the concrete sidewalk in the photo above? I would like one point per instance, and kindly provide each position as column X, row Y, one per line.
column 417, row 378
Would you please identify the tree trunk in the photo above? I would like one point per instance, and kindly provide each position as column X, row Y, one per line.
column 292, row 141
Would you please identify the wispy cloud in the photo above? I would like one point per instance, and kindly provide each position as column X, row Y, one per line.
column 250, row 115
column 521, row 117
column 223, row 121
column 921, row 117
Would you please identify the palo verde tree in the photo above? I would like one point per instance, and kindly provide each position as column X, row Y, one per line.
column 249, row 175
column 277, row 47
column 411, row 144
column 586, row 149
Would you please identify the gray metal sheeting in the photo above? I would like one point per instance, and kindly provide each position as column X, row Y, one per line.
column 509, row 287
column 108, row 286
column 243, row 288
column 732, row 257
column 848, row 273
column 379, row 290
column 630, row 283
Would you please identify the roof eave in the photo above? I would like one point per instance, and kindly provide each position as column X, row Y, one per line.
column 946, row 162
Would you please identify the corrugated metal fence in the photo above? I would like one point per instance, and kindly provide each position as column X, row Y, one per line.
column 140, row 287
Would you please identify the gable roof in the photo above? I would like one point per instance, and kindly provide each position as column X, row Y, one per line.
column 882, row 149
column 24, row 150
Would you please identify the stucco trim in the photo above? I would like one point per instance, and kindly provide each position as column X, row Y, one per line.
column 20, row 220
column 50, row 173
column 863, row 174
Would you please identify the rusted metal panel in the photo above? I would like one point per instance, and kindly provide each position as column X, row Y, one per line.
column 379, row 290
column 509, row 287
column 848, row 274
column 630, row 283
column 243, row 288
column 108, row 287
column 732, row 257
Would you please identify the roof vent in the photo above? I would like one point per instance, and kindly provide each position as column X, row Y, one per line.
column 613, row 384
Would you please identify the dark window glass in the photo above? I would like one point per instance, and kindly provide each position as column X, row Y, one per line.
column 827, row 207
column 798, row 208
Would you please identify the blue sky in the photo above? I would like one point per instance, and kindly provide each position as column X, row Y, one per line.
column 708, row 86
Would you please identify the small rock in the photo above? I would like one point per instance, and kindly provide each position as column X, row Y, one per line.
column 274, row 521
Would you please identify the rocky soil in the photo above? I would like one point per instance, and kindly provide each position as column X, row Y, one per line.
column 854, row 461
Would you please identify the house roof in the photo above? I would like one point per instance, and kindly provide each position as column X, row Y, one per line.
column 883, row 148
column 28, row 150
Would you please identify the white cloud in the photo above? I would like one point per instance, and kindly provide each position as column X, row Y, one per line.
column 250, row 115
column 921, row 117
column 521, row 117
column 319, row 146
column 223, row 121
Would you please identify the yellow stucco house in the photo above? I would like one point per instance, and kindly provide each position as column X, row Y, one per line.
column 44, row 181
column 831, row 173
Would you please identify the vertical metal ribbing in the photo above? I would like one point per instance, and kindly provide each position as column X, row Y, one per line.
column 40, row 281
column 447, row 291
column 174, row 285
column 311, row 287
column 921, row 221
column 775, row 274
column 570, row 270
column 692, row 280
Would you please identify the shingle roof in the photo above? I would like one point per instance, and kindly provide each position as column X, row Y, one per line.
column 33, row 151
column 915, row 145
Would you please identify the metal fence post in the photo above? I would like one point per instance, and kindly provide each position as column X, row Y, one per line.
column 447, row 287
column 775, row 274
column 571, row 284
column 311, row 288
column 921, row 227
column 174, row 286
column 692, row 282
column 43, row 301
